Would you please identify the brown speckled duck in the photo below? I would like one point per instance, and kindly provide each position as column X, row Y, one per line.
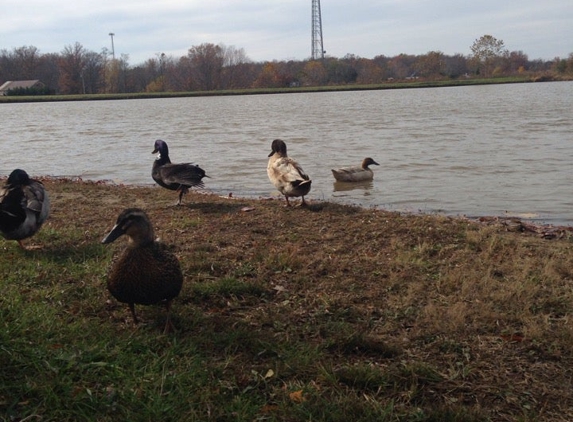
column 146, row 273
column 24, row 206
column 355, row 173
column 286, row 174
column 179, row 177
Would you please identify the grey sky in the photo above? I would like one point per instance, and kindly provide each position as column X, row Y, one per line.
column 281, row 29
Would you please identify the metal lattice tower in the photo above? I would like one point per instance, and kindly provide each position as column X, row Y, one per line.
column 317, row 48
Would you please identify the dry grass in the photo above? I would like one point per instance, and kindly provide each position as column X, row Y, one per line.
column 390, row 316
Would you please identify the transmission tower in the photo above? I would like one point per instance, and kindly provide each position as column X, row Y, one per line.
column 317, row 49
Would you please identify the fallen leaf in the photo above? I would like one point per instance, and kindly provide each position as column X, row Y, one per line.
column 296, row 396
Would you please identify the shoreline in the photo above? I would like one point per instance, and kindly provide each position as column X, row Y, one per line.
column 511, row 223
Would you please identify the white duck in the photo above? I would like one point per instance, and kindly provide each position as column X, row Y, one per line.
column 286, row 174
column 355, row 173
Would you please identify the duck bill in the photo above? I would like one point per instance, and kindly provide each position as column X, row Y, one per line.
column 116, row 232
column 155, row 151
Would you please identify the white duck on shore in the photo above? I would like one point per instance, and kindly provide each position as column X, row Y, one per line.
column 286, row 174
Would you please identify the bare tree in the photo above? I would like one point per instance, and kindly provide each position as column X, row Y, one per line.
column 71, row 67
column 92, row 73
column 27, row 60
column 236, row 68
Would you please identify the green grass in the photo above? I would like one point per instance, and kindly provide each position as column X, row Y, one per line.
column 378, row 316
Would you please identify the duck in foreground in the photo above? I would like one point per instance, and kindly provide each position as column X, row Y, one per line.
column 146, row 273
column 179, row 177
column 286, row 174
column 24, row 206
column 356, row 173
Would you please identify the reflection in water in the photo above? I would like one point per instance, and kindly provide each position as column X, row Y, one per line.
column 365, row 186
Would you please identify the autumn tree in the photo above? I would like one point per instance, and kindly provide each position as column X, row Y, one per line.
column 92, row 73
column 268, row 77
column 431, row 64
column 401, row 66
column 456, row 65
column 517, row 62
column 342, row 71
column 487, row 52
column 71, row 67
column 206, row 65
column 314, row 73
column 368, row 72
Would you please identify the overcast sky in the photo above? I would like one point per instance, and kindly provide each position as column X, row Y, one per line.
column 281, row 29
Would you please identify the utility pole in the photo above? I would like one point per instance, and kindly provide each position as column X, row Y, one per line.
column 317, row 48
column 111, row 34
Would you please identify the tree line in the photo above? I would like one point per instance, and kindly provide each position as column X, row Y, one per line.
column 207, row 67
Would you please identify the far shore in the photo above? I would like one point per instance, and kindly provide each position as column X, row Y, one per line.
column 286, row 90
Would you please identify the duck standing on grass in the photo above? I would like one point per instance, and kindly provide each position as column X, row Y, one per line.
column 179, row 177
column 146, row 273
column 286, row 174
column 24, row 206
column 356, row 173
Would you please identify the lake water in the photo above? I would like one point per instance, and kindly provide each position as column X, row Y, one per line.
column 493, row 150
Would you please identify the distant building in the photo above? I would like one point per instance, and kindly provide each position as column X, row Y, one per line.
column 8, row 85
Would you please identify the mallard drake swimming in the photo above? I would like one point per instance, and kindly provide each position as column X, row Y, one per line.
column 179, row 177
column 24, row 206
column 286, row 174
column 355, row 173
column 146, row 273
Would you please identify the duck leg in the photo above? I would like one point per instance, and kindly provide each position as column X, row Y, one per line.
column 132, row 309
column 182, row 191
column 168, row 325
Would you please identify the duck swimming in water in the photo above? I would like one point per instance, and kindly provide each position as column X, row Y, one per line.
column 356, row 173
column 24, row 206
column 146, row 273
column 286, row 174
column 178, row 177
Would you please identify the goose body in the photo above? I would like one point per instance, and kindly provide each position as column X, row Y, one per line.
column 360, row 173
column 24, row 206
column 286, row 174
column 146, row 273
column 178, row 177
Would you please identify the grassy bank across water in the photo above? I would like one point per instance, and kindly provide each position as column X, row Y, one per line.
column 325, row 313
column 261, row 91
